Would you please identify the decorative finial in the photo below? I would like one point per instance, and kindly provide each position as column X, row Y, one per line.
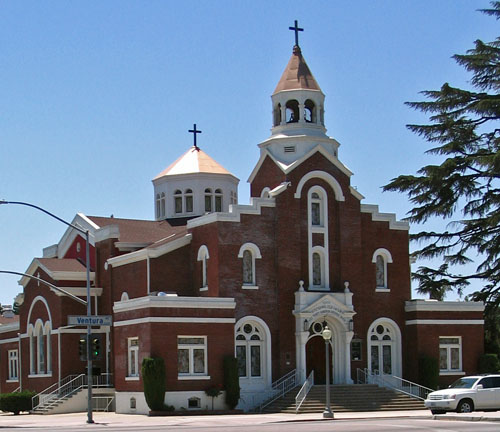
column 296, row 29
column 346, row 284
column 194, row 131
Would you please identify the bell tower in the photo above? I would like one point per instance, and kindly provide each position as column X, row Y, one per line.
column 298, row 112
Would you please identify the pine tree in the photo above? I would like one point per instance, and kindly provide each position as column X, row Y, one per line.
column 464, row 130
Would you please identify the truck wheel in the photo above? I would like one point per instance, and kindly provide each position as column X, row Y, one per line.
column 465, row 406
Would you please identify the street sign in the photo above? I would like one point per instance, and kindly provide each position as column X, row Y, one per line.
column 94, row 320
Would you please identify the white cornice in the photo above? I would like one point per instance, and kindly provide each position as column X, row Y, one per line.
column 150, row 252
column 55, row 275
column 235, row 212
column 385, row 217
column 187, row 320
column 444, row 322
column 174, row 302
column 107, row 232
column 5, row 328
column 70, row 234
column 443, row 306
column 129, row 246
column 289, row 168
column 78, row 291
column 356, row 194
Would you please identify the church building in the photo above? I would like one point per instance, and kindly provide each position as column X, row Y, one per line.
column 208, row 277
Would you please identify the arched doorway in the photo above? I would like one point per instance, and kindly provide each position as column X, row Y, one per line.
column 315, row 359
column 315, row 354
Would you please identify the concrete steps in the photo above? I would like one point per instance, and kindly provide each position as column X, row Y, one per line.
column 347, row 398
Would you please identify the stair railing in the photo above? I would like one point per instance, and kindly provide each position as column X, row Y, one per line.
column 280, row 387
column 66, row 387
column 56, row 390
column 304, row 390
column 364, row 376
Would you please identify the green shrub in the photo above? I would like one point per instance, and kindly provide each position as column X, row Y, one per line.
column 16, row 402
column 153, row 377
column 231, row 381
column 488, row 363
column 428, row 372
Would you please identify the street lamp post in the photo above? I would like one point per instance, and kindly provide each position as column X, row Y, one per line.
column 327, row 335
column 89, row 328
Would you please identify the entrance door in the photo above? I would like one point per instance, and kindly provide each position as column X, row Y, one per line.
column 315, row 359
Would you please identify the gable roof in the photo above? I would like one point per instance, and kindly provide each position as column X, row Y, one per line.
column 141, row 231
column 193, row 161
column 297, row 75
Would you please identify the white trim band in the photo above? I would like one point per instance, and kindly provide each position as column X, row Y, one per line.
column 147, row 320
column 444, row 322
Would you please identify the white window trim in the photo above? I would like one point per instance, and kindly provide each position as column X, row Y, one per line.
column 255, row 251
column 387, row 258
column 320, row 229
column 448, row 370
column 203, row 256
column 191, row 347
column 397, row 356
column 130, row 348
column 13, row 362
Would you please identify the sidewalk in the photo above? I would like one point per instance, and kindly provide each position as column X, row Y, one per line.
column 117, row 420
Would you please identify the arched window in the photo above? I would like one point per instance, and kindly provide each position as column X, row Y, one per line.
column 203, row 256
column 208, row 200
column 249, row 350
column 158, row 211
column 317, row 273
column 48, row 356
column 277, row 115
column 162, row 204
column 248, row 253
column 33, row 361
column 178, row 201
column 316, row 209
column 40, row 341
column 384, row 347
column 218, row 200
column 188, row 199
column 309, row 111
column 381, row 257
column 292, row 111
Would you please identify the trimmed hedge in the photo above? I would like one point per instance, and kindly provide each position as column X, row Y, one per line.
column 16, row 402
column 428, row 372
column 153, row 377
column 231, row 381
column 488, row 363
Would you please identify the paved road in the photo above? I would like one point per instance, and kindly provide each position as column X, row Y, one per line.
column 367, row 425
column 401, row 421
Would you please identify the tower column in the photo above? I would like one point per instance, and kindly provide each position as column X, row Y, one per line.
column 302, row 113
column 283, row 115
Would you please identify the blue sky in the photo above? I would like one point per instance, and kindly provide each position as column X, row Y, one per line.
column 97, row 96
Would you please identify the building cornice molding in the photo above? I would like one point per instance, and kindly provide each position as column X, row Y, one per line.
column 149, row 252
column 444, row 322
column 54, row 275
column 385, row 217
column 443, row 306
column 235, row 212
column 174, row 302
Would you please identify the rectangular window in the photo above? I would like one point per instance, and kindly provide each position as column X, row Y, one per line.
column 218, row 203
column 208, row 203
column 13, row 365
column 375, row 359
column 450, row 354
column 189, row 204
column 255, row 360
column 241, row 355
column 133, row 357
column 356, row 350
column 178, row 204
column 192, row 355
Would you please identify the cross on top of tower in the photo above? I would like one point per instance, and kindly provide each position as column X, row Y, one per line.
column 194, row 131
column 296, row 29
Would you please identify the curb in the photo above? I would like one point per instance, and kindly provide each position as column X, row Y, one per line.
column 466, row 418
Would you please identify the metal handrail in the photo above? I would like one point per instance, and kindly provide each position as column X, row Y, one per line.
column 395, row 383
column 280, row 387
column 51, row 391
column 304, row 390
column 71, row 384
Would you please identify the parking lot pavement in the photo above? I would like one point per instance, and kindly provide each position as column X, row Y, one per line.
column 116, row 420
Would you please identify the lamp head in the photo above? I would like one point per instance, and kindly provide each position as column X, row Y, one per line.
column 326, row 333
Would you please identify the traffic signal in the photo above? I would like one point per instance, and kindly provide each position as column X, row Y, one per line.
column 82, row 347
column 96, row 346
